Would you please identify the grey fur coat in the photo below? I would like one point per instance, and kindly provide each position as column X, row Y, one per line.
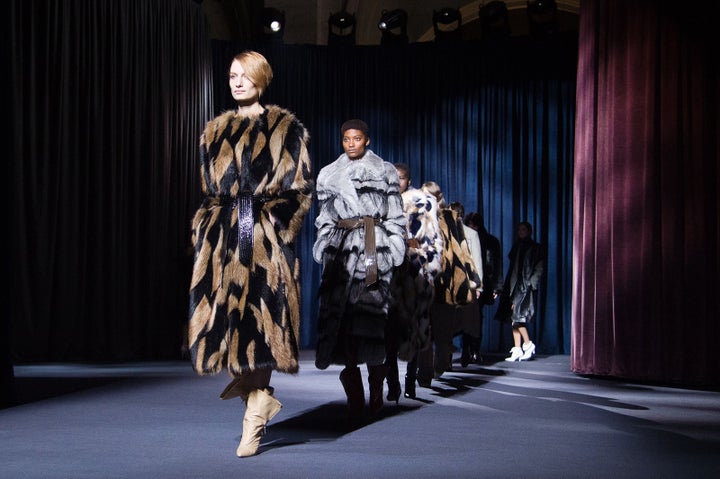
column 348, row 189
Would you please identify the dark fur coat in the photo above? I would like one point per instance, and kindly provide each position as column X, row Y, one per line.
column 527, row 265
column 244, row 315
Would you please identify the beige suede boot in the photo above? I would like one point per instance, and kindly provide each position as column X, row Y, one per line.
column 261, row 407
column 235, row 389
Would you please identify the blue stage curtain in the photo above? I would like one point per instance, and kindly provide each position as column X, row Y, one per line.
column 108, row 105
column 494, row 129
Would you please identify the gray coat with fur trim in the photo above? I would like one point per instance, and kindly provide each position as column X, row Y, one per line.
column 348, row 189
column 245, row 313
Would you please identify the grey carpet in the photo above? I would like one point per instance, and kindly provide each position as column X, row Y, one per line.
column 533, row 419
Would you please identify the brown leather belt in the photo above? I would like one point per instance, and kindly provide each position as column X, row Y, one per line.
column 367, row 222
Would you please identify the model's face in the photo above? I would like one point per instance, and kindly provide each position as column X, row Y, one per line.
column 523, row 232
column 404, row 180
column 355, row 143
column 242, row 88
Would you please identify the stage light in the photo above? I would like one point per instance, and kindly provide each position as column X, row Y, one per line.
column 447, row 23
column 542, row 17
column 273, row 24
column 393, row 25
column 494, row 21
column 341, row 28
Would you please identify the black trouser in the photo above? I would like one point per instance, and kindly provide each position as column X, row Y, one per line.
column 471, row 343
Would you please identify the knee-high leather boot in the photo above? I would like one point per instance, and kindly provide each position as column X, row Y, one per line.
column 466, row 350
column 410, row 377
column 353, row 386
column 261, row 407
column 425, row 362
column 393, row 380
column 376, row 379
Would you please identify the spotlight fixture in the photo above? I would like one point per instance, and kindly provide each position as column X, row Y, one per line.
column 494, row 21
column 393, row 25
column 542, row 17
column 447, row 23
column 273, row 24
column 341, row 28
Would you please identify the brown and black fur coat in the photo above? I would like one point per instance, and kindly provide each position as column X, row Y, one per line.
column 459, row 280
column 245, row 316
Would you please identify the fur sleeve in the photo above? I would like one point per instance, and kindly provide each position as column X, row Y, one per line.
column 289, row 146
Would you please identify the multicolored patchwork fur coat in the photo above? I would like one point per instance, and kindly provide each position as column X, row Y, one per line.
column 413, row 285
column 245, row 313
column 348, row 189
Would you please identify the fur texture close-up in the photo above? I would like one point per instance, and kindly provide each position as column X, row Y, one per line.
column 458, row 280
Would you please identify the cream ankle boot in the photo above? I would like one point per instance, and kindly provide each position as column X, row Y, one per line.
column 261, row 407
column 515, row 354
column 528, row 351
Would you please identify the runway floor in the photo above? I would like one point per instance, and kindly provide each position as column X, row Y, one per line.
column 533, row 419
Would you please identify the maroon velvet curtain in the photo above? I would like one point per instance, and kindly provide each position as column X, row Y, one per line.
column 646, row 264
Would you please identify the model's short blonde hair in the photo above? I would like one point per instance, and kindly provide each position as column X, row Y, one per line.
column 434, row 189
column 256, row 67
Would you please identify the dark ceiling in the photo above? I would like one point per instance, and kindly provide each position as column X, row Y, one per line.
column 240, row 20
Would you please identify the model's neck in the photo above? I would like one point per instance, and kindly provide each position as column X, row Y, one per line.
column 250, row 110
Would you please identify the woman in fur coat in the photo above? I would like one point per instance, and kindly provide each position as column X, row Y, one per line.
column 360, row 240
column 244, row 292
column 413, row 286
column 457, row 284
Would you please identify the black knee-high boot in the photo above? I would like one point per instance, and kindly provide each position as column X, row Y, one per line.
column 351, row 380
column 410, row 378
column 467, row 346
column 376, row 379
column 393, row 381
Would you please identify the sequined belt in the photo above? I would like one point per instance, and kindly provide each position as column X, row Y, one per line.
column 246, row 202
column 367, row 222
